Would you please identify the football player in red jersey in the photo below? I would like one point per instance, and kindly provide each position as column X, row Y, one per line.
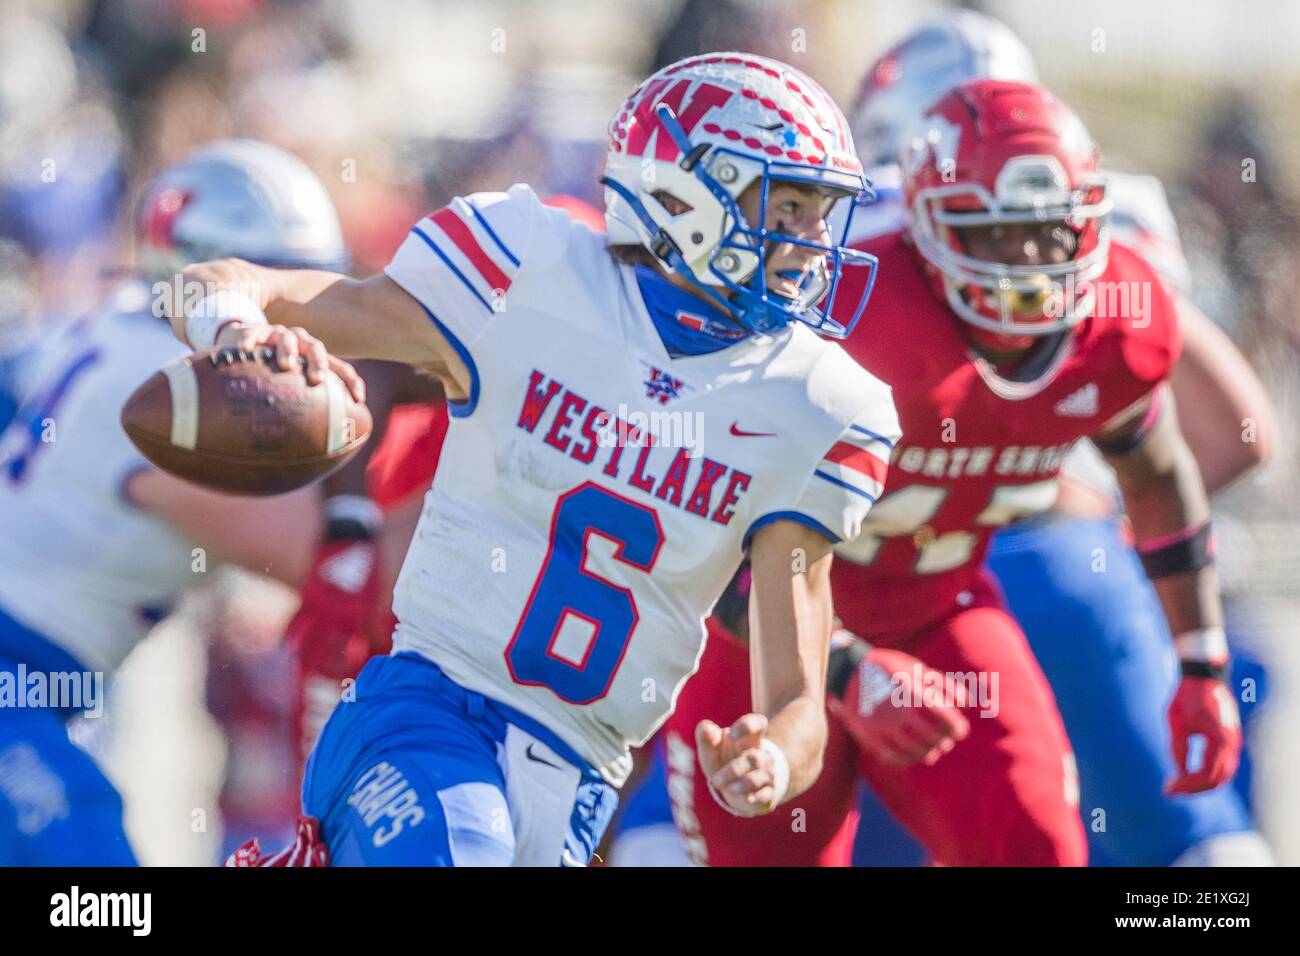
column 1011, row 328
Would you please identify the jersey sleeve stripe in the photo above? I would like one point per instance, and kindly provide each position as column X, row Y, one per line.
column 873, row 435
column 492, row 234
column 446, row 259
column 856, row 483
column 856, row 459
column 459, row 232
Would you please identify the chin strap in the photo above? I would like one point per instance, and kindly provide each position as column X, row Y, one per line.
column 664, row 249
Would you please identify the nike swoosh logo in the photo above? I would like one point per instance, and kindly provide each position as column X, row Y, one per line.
column 772, row 128
column 741, row 433
column 531, row 756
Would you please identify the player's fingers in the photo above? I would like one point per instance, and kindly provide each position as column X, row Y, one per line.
column 886, row 750
column 1179, row 745
column 947, row 721
column 313, row 350
column 351, row 378
column 749, row 783
column 1220, row 760
column 744, row 763
column 248, row 338
column 910, row 744
column 1190, row 783
column 933, row 753
column 708, row 743
column 286, row 348
column 748, row 731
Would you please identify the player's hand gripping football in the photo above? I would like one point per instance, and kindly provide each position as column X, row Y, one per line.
column 289, row 345
column 895, row 721
column 1204, row 706
column 740, row 772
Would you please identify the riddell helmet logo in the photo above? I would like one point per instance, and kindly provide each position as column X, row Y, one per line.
column 645, row 122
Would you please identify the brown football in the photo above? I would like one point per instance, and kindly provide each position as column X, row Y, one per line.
column 233, row 421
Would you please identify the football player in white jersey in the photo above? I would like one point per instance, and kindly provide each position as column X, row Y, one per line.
column 1112, row 713
column 97, row 543
column 631, row 414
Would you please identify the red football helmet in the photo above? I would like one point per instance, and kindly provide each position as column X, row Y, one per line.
column 991, row 153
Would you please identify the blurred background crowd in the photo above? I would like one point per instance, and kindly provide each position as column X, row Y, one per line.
column 399, row 105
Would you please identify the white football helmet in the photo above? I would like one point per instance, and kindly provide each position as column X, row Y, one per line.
column 239, row 198
column 705, row 129
column 951, row 49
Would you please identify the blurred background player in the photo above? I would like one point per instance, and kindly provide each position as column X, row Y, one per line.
column 1098, row 635
column 1005, row 210
column 99, row 544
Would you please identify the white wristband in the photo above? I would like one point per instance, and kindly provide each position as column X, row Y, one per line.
column 780, row 771
column 1209, row 644
column 204, row 319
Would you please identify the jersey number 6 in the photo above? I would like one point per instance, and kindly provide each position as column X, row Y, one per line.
column 576, row 626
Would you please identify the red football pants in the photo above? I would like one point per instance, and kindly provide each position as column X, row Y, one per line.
column 1007, row 795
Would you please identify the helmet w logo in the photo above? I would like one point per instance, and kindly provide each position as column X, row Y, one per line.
column 644, row 121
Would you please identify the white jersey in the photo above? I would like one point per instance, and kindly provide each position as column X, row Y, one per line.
column 79, row 565
column 594, row 495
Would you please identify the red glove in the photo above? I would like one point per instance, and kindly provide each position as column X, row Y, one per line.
column 895, row 719
column 1204, row 706
column 336, row 630
column 307, row 849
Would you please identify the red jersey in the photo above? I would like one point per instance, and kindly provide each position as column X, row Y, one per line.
column 407, row 457
column 980, row 450
column 814, row 829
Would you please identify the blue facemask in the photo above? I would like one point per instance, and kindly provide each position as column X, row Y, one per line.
column 749, row 304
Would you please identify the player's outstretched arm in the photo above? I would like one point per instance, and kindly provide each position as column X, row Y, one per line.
column 314, row 314
column 775, row 753
column 1170, row 514
column 272, row 536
